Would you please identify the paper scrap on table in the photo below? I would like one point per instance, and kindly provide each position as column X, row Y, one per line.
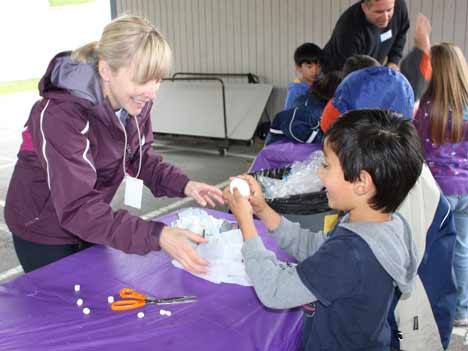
column 222, row 251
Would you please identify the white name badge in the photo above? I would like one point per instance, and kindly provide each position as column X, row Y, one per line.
column 385, row 36
column 133, row 192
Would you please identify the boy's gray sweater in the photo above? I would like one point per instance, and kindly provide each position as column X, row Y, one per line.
column 278, row 285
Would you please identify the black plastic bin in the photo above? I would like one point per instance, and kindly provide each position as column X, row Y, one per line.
column 300, row 204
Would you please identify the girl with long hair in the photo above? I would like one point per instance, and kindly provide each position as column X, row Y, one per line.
column 442, row 122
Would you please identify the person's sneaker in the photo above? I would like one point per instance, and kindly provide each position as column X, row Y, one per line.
column 460, row 322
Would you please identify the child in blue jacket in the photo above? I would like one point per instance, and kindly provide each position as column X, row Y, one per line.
column 307, row 66
column 345, row 281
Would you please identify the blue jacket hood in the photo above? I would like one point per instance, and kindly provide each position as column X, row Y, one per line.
column 375, row 87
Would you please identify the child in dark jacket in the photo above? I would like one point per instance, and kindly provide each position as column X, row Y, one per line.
column 301, row 123
column 345, row 281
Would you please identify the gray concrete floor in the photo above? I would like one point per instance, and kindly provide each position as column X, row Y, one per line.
column 197, row 157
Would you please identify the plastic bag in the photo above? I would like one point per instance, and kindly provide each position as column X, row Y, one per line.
column 301, row 179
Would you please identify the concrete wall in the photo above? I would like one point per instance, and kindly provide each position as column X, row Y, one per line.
column 260, row 36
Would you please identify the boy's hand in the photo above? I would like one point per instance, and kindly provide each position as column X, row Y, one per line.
column 238, row 204
column 270, row 218
column 242, row 210
column 422, row 33
column 256, row 199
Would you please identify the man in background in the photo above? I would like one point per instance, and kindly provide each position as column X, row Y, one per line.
column 376, row 28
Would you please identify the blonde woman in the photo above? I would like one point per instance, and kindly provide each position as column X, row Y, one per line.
column 442, row 121
column 89, row 131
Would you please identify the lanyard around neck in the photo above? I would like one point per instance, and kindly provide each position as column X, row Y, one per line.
column 125, row 146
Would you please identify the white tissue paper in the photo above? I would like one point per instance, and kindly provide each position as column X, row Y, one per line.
column 223, row 249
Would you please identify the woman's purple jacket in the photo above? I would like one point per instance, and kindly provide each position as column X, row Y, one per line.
column 70, row 165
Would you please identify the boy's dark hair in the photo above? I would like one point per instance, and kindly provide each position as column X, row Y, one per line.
column 307, row 53
column 368, row 2
column 384, row 144
column 324, row 89
column 355, row 62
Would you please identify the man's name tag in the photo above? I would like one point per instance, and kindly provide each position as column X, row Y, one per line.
column 385, row 36
column 133, row 192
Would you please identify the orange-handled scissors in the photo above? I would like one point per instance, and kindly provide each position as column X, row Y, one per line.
column 133, row 299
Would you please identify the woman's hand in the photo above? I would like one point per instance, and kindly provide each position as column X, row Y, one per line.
column 176, row 242
column 203, row 193
column 393, row 66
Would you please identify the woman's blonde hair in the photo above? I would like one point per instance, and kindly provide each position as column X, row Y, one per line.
column 448, row 91
column 130, row 41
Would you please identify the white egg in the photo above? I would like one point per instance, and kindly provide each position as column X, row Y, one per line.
column 140, row 315
column 79, row 302
column 86, row 310
column 241, row 185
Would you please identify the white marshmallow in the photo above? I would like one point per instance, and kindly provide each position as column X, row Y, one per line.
column 110, row 299
column 79, row 302
column 162, row 312
column 168, row 313
column 241, row 185
column 77, row 287
column 140, row 314
column 86, row 310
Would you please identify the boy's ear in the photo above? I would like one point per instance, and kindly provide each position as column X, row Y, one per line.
column 364, row 185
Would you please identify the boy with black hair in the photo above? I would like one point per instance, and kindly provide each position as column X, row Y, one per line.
column 346, row 281
column 357, row 62
column 307, row 66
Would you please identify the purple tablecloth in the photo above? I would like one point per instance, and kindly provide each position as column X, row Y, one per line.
column 38, row 310
column 282, row 154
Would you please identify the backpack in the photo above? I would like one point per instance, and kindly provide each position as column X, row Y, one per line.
column 300, row 124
